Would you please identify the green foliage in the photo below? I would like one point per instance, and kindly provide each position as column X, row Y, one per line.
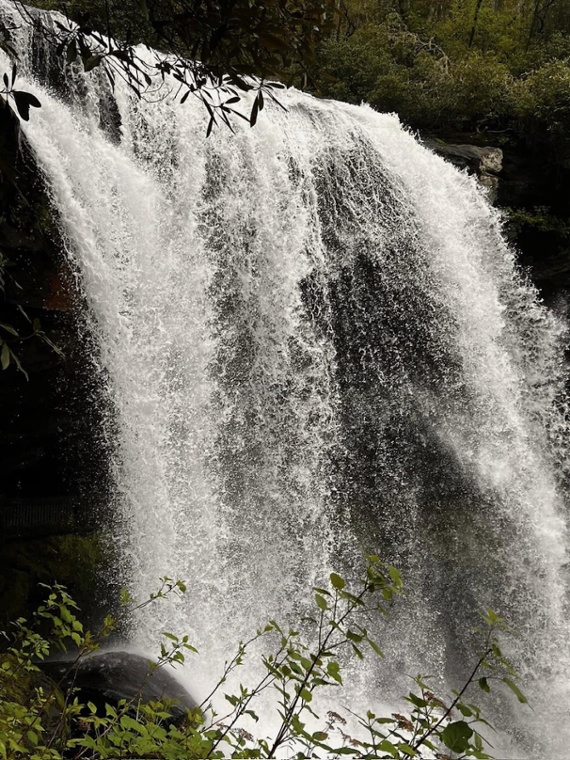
column 455, row 64
column 41, row 719
column 539, row 218
column 469, row 65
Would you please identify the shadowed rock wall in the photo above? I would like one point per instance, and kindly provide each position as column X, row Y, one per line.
column 52, row 450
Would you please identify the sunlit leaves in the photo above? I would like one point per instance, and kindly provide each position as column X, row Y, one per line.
column 456, row 736
column 300, row 662
column 515, row 689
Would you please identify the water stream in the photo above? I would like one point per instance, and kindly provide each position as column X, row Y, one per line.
column 318, row 344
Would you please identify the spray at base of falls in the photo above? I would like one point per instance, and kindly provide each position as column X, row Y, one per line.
column 318, row 343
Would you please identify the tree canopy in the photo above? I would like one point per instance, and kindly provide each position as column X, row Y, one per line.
column 455, row 65
column 442, row 65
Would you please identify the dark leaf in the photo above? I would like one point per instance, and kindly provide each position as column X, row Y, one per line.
column 254, row 112
column 23, row 102
column 5, row 358
column 91, row 62
column 110, row 77
column 71, row 54
column 9, row 329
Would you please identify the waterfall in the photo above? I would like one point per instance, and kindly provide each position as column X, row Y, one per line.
column 317, row 343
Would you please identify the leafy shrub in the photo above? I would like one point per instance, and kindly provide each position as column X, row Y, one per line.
column 40, row 719
column 544, row 94
column 469, row 65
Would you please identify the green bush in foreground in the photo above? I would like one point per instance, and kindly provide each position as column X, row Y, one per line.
column 41, row 720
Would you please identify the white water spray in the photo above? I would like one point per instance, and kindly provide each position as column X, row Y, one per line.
column 317, row 340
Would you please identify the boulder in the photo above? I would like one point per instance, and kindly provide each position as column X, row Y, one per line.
column 107, row 677
column 485, row 162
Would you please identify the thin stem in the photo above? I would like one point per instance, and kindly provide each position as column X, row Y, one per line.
column 447, row 713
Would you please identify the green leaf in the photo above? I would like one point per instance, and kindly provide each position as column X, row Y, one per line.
column 516, row 691
column 336, row 581
column 9, row 329
column 306, row 695
column 484, row 685
column 416, row 701
column 456, row 736
column 396, row 576
column 492, row 616
column 5, row 357
column 374, row 646
column 321, row 602
column 357, row 651
column 347, row 751
column 333, row 669
column 387, row 746
column 320, row 736
column 131, row 724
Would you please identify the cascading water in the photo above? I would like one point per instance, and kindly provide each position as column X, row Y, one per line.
column 317, row 342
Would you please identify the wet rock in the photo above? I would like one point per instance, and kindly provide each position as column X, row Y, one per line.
column 112, row 676
column 485, row 162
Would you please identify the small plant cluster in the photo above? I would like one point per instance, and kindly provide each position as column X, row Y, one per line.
column 44, row 719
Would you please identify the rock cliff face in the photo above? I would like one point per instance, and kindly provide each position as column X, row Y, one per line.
column 485, row 162
column 533, row 190
column 52, row 463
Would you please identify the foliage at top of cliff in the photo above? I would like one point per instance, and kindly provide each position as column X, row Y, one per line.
column 495, row 66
